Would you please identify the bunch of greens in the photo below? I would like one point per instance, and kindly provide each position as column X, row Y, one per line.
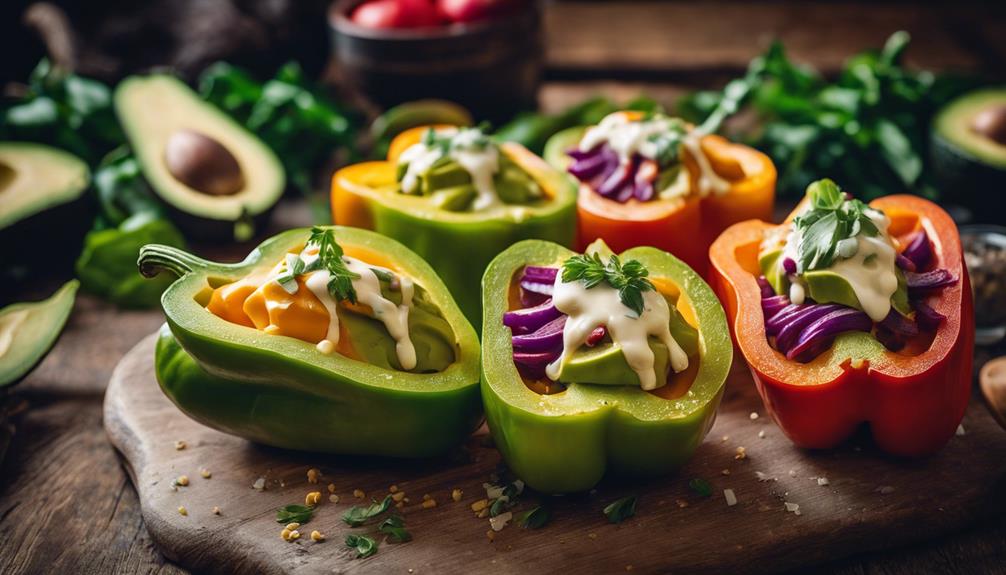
column 63, row 110
column 301, row 124
column 869, row 128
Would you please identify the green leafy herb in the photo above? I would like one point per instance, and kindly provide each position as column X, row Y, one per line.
column 394, row 528
column 287, row 279
column 383, row 274
column 830, row 219
column 621, row 509
column 534, row 518
column 701, row 486
column 330, row 254
column 294, row 514
column 364, row 546
column 356, row 515
column 870, row 128
column 628, row 278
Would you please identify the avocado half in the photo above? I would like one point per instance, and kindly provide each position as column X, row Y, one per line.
column 218, row 180
column 968, row 150
column 42, row 205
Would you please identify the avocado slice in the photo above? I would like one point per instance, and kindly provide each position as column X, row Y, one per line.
column 42, row 203
column 968, row 150
column 825, row 286
column 773, row 272
column 218, row 180
column 29, row 330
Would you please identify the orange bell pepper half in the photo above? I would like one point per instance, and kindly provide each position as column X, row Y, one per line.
column 913, row 400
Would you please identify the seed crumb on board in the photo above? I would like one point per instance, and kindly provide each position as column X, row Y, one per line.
column 331, row 488
column 456, row 494
column 885, row 489
column 205, row 473
column 793, row 508
column 313, row 498
column 725, row 472
column 731, row 498
column 182, row 510
column 312, row 475
column 216, row 510
column 741, row 453
column 761, row 434
column 333, row 498
column 182, row 480
column 359, row 494
column 180, row 445
column 822, row 481
column 259, row 484
column 754, row 415
column 960, row 430
column 317, row 536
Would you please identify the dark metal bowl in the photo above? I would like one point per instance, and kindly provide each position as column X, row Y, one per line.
column 492, row 67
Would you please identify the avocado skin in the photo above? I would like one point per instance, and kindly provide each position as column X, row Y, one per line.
column 964, row 179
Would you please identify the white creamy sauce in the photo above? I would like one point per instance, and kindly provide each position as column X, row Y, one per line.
column 588, row 309
column 870, row 268
column 480, row 161
column 630, row 137
column 9, row 326
column 368, row 292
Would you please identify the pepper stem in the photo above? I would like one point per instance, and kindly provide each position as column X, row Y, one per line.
column 155, row 258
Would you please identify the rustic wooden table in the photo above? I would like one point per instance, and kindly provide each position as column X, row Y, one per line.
column 67, row 506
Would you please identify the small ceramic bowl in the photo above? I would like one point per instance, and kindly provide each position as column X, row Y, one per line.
column 985, row 255
column 491, row 67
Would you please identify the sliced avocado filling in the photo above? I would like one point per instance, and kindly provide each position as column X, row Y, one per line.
column 605, row 364
column 450, row 186
column 771, row 268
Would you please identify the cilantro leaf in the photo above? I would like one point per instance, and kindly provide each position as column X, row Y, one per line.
column 701, row 486
column 356, row 515
column 629, row 278
column 294, row 514
column 364, row 546
column 394, row 528
column 535, row 518
column 832, row 218
column 621, row 509
column 330, row 254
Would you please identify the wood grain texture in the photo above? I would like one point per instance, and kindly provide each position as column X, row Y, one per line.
column 870, row 501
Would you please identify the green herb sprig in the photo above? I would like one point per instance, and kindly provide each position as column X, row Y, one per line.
column 356, row 516
column 830, row 219
column 701, row 487
column 394, row 528
column 294, row 514
column 621, row 509
column 330, row 253
column 628, row 278
column 535, row 518
column 364, row 546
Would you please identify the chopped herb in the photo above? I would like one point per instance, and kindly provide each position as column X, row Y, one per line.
column 831, row 219
column 294, row 514
column 365, row 546
column 621, row 509
column 701, row 486
column 288, row 278
column 394, row 528
column 383, row 274
column 330, row 254
column 667, row 143
column 356, row 515
column 628, row 278
column 535, row 518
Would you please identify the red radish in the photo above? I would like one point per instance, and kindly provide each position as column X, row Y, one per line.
column 472, row 10
column 382, row 14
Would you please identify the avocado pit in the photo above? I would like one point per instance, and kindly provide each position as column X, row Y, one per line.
column 991, row 123
column 203, row 164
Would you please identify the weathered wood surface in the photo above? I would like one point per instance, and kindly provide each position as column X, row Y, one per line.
column 868, row 502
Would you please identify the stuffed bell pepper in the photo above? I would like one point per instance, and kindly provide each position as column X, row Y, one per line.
column 655, row 180
column 850, row 313
column 596, row 363
column 335, row 340
column 457, row 198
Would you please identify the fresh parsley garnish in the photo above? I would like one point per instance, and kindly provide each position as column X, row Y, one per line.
column 621, row 509
column 294, row 514
column 356, row 515
column 830, row 219
column 535, row 518
column 668, row 142
column 340, row 283
column 701, row 486
column 628, row 278
column 364, row 546
column 394, row 528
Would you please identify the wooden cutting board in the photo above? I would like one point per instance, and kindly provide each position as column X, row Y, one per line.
column 867, row 502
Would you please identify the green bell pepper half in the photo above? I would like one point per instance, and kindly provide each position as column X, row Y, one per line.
column 565, row 442
column 459, row 245
column 281, row 391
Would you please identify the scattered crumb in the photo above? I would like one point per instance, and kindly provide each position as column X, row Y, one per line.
column 885, row 489
column 429, row 503
column 182, row 480
column 490, row 535
column 480, row 505
column 731, row 498
column 725, row 472
column 398, row 496
column 259, row 484
column 761, row 434
column 292, row 526
column 960, row 430
column 483, row 514
column 331, row 488
column 294, row 535
column 393, row 489
column 725, row 438
column 216, row 510
column 792, row 473
column 359, row 494
column 180, row 445
column 764, row 477
column 682, row 503
column 426, row 497
column 312, row 475
column 285, row 534
column 592, row 535
column 456, row 494
column 205, row 473
column 333, row 498
column 182, row 511
column 741, row 453
column 793, row 508
column 313, row 498
column 822, row 481
column 317, row 536
column 754, row 415
column 499, row 522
